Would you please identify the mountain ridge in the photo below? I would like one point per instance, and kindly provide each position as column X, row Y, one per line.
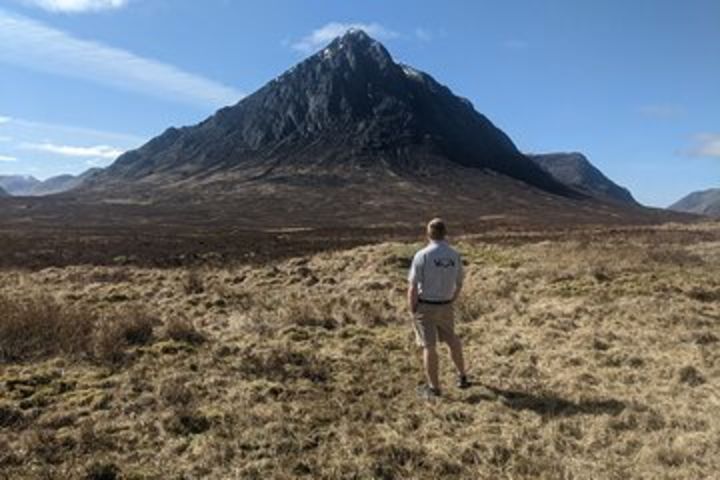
column 347, row 107
column 576, row 171
column 345, row 138
column 17, row 185
column 702, row 202
column 27, row 185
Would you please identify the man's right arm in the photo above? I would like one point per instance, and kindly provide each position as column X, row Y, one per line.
column 412, row 297
column 414, row 278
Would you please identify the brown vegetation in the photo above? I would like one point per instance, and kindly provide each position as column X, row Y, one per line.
column 593, row 355
column 36, row 325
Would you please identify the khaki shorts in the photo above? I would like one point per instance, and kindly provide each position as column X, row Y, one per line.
column 433, row 323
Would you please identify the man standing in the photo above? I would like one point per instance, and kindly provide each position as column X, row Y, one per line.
column 436, row 278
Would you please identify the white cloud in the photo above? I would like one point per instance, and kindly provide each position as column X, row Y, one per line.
column 32, row 44
column 7, row 158
column 706, row 145
column 97, row 151
column 661, row 111
column 77, row 6
column 423, row 35
column 36, row 129
column 321, row 36
column 95, row 163
column 4, row 120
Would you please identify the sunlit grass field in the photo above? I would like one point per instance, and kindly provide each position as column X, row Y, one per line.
column 594, row 355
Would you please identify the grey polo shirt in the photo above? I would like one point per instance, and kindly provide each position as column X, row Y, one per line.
column 437, row 271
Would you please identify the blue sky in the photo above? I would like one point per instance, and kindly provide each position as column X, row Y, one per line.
column 633, row 85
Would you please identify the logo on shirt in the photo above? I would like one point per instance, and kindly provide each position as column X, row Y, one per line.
column 444, row 262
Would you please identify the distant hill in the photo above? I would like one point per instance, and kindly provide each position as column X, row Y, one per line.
column 706, row 202
column 63, row 183
column 3, row 193
column 18, row 185
column 576, row 171
column 29, row 186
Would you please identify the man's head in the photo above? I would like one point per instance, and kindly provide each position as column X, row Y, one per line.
column 436, row 229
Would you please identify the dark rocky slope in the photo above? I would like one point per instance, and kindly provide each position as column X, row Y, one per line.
column 342, row 113
column 576, row 171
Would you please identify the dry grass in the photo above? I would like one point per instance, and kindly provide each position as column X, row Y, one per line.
column 38, row 326
column 120, row 330
column 181, row 329
column 593, row 357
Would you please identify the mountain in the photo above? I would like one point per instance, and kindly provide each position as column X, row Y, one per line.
column 18, row 185
column 706, row 202
column 347, row 111
column 3, row 193
column 346, row 138
column 63, row 183
column 576, row 171
column 25, row 185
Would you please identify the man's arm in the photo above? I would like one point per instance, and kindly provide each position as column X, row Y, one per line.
column 459, row 280
column 412, row 297
column 458, row 289
column 414, row 278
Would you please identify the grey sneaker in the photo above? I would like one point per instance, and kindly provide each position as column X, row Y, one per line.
column 462, row 382
column 427, row 392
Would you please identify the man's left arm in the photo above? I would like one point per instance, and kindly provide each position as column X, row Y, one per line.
column 459, row 280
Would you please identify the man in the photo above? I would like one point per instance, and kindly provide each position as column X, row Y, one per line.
column 436, row 279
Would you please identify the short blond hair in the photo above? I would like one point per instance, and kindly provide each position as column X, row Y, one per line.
column 436, row 229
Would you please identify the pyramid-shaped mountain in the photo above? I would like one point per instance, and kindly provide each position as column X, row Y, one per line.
column 347, row 137
column 347, row 110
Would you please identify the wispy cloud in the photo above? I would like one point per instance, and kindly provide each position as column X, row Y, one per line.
column 661, row 111
column 76, row 6
column 96, row 151
column 97, row 162
column 321, row 36
column 32, row 44
column 7, row 158
column 49, row 149
column 5, row 119
column 37, row 129
column 706, row 145
column 423, row 34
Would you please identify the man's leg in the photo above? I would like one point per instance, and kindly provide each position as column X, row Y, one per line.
column 430, row 359
column 446, row 332
column 456, row 353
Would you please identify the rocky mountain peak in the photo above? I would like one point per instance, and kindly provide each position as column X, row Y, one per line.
column 358, row 49
column 346, row 109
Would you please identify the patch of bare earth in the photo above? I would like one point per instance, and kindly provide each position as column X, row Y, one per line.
column 592, row 357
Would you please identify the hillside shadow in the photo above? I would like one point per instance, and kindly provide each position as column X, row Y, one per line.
column 549, row 405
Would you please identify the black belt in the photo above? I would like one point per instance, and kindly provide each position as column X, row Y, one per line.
column 434, row 302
